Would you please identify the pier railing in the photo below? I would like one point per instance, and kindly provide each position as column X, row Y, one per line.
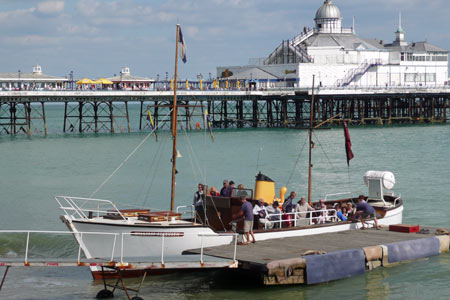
column 163, row 258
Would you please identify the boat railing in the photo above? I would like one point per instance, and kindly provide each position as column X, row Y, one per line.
column 78, row 235
column 119, row 237
column 187, row 211
column 76, row 206
column 320, row 216
column 397, row 199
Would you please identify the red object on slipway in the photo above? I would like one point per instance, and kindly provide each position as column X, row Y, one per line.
column 404, row 228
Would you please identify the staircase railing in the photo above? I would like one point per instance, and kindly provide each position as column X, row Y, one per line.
column 359, row 71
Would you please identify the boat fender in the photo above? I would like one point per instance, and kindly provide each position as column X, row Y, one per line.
column 373, row 253
column 444, row 241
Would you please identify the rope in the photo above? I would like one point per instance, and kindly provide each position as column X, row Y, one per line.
column 156, row 168
column 127, row 158
column 296, row 162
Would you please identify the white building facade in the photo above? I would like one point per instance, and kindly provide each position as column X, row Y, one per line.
column 339, row 58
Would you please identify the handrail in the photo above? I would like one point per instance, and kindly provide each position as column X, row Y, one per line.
column 296, row 218
column 396, row 199
column 191, row 211
column 80, row 210
column 122, row 235
column 28, row 232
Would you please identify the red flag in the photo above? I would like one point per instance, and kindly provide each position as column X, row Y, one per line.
column 348, row 144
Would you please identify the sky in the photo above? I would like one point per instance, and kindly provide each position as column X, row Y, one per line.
column 96, row 38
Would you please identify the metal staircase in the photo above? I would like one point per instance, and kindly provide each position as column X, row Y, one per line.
column 359, row 71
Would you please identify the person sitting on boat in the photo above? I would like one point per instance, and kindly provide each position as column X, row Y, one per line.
column 264, row 216
column 246, row 212
column 256, row 209
column 339, row 213
column 301, row 209
column 321, row 207
column 288, row 207
column 351, row 211
column 364, row 211
column 224, row 188
column 199, row 196
column 213, row 191
column 274, row 214
column 240, row 192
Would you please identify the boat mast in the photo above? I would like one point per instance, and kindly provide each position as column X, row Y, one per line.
column 174, row 126
column 310, row 140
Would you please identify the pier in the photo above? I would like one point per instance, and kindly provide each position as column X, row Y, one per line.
column 105, row 111
column 331, row 256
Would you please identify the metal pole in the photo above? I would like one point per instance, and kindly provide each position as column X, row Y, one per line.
column 310, row 140
column 4, row 277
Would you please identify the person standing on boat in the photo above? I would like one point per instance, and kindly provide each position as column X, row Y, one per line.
column 302, row 209
column 247, row 212
column 229, row 189
column 199, row 196
column 288, row 207
column 365, row 211
column 224, row 188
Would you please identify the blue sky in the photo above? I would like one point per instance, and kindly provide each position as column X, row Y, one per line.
column 95, row 38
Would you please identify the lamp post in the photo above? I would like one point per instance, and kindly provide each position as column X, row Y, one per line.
column 71, row 79
column 18, row 82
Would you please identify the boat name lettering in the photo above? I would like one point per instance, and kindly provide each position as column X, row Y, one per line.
column 152, row 233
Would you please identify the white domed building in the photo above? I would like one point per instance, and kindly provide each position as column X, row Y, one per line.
column 339, row 58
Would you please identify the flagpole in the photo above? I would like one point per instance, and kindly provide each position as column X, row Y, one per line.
column 310, row 140
column 174, row 126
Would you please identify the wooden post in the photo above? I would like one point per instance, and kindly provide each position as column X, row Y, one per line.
column 174, row 126
column 45, row 119
column 128, row 117
column 111, row 116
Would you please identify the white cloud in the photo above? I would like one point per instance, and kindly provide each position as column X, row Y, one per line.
column 50, row 8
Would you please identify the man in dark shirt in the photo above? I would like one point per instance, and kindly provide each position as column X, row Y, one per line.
column 224, row 188
column 365, row 211
column 198, row 202
column 288, row 207
column 229, row 189
column 247, row 212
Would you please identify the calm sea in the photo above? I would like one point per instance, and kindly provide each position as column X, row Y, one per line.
column 34, row 170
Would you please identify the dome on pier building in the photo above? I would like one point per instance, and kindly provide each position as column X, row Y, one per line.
column 328, row 18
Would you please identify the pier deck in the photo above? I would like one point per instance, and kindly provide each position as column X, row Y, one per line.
column 264, row 257
column 107, row 111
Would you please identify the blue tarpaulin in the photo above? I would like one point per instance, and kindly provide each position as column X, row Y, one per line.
column 335, row 265
column 413, row 249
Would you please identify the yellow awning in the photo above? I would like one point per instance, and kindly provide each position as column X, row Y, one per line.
column 103, row 81
column 85, row 81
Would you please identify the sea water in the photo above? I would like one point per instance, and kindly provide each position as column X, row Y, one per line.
column 33, row 170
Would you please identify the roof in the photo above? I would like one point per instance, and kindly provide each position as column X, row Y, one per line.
column 30, row 77
column 346, row 41
column 126, row 77
column 253, row 73
column 416, row 47
column 328, row 11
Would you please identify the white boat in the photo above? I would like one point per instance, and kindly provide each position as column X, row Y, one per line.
column 145, row 234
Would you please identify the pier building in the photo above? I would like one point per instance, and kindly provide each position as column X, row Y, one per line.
column 35, row 80
column 340, row 58
column 126, row 81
